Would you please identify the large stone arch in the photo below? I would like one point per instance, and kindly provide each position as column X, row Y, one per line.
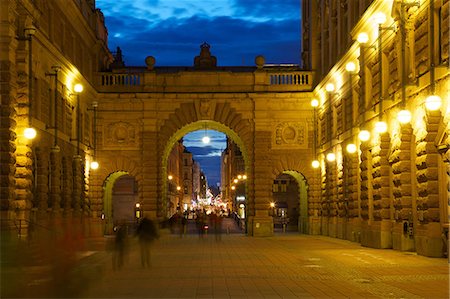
column 199, row 115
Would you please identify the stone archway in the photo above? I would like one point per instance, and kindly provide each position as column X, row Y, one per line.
column 198, row 115
column 299, row 169
column 195, row 126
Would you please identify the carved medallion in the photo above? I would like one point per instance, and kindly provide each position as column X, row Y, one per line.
column 290, row 135
column 120, row 134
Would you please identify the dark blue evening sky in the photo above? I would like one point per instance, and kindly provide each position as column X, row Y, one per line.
column 173, row 30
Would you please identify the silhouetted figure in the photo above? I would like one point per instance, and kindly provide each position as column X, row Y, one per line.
column 120, row 244
column 147, row 233
column 183, row 225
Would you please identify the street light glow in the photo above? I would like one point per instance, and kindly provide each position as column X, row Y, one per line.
column 78, row 88
column 30, row 133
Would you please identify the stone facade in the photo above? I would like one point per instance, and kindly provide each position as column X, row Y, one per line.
column 397, row 195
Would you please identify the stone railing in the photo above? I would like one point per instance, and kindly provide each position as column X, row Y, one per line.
column 222, row 80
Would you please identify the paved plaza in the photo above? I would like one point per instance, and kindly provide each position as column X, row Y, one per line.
column 236, row 266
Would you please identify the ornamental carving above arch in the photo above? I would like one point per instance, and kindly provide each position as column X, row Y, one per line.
column 290, row 135
column 120, row 134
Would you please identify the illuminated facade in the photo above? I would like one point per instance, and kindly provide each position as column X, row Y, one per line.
column 377, row 60
column 391, row 192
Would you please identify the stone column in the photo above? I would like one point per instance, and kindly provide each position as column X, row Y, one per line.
column 382, row 224
column 314, row 204
column 401, row 166
column 153, row 199
column 365, row 194
column 354, row 227
column 41, row 185
column 428, row 237
column 260, row 224
column 77, row 185
column 67, row 185
column 55, row 180
column 332, row 199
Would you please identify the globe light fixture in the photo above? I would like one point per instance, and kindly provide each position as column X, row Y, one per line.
column 314, row 103
column 78, row 88
column 244, row 177
column 351, row 148
column 364, row 135
column 404, row 116
column 350, row 66
column 331, row 157
column 233, row 187
column 235, row 181
column 29, row 133
column 329, row 87
column 381, row 127
column 315, row 164
column 433, row 102
column 206, row 139
column 239, row 177
column 379, row 18
column 178, row 188
column 94, row 165
column 362, row 38
column 170, row 177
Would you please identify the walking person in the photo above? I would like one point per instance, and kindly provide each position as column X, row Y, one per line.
column 120, row 244
column 147, row 233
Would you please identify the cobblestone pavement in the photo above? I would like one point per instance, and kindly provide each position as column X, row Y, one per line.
column 237, row 266
column 283, row 266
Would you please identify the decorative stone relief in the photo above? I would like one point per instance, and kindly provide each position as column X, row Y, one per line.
column 121, row 134
column 290, row 135
column 205, row 109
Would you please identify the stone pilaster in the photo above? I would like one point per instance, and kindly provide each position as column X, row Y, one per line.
column 400, row 161
column 41, row 188
column 351, row 168
column 152, row 198
column 428, row 238
column 67, row 184
column 260, row 224
column 8, row 77
column 341, row 200
column 314, row 204
column 382, row 225
column 366, row 195
column 77, row 184
column 332, row 199
column 55, row 180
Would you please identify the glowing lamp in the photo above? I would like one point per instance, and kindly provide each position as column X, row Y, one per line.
column 315, row 164
column 379, row 18
column 329, row 87
column 233, row 187
column 351, row 148
column 235, row 181
column 362, row 38
column 381, row 127
column 350, row 66
column 433, row 102
column 94, row 165
column 364, row 135
column 178, row 188
column 78, row 88
column 244, row 177
column 170, row 177
column 314, row 103
column 206, row 139
column 404, row 116
column 29, row 133
column 272, row 205
column 331, row 157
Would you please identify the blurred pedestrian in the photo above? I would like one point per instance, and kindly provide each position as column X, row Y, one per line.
column 120, row 244
column 147, row 233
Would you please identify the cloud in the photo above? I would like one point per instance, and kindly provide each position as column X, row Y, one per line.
column 236, row 33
